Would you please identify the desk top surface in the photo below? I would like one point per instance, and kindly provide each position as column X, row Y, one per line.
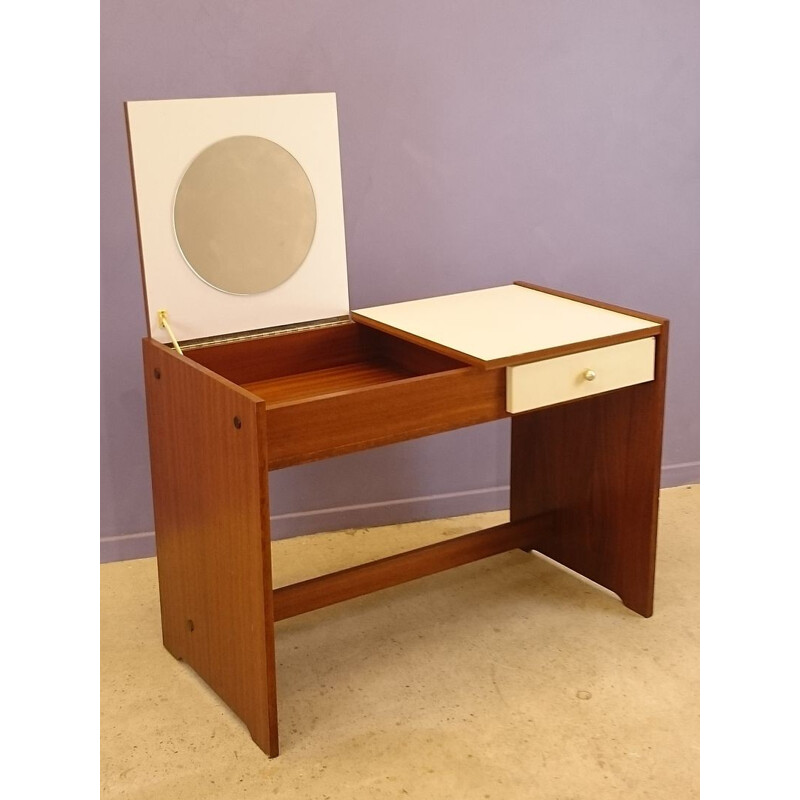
column 493, row 325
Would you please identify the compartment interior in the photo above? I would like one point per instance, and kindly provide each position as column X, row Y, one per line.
column 293, row 367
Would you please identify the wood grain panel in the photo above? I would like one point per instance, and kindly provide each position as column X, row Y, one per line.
column 283, row 354
column 596, row 465
column 304, row 351
column 378, row 415
column 210, row 500
column 371, row 577
column 416, row 359
column 293, row 388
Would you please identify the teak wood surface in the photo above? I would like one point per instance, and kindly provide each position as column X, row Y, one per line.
column 365, row 578
column 584, row 482
column 337, row 390
column 596, row 466
column 213, row 551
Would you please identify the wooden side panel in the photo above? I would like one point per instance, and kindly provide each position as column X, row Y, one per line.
column 207, row 451
column 596, row 464
column 392, row 412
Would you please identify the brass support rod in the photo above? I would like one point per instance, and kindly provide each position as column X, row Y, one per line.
column 162, row 321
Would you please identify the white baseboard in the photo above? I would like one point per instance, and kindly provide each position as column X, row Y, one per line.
column 680, row 474
column 369, row 515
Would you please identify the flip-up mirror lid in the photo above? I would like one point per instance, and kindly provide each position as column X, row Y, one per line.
column 175, row 146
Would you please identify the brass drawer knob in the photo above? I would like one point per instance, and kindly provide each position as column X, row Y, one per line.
column 590, row 374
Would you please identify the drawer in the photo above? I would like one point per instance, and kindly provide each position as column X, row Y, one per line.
column 556, row 380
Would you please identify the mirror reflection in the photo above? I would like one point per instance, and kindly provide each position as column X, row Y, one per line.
column 245, row 215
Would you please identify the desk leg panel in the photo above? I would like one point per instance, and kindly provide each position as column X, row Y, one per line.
column 595, row 464
column 208, row 463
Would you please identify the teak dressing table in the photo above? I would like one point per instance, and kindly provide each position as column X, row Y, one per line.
column 230, row 398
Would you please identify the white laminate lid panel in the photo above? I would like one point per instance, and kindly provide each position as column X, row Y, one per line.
column 505, row 321
column 165, row 137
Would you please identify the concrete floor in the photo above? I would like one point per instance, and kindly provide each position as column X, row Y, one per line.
column 507, row 678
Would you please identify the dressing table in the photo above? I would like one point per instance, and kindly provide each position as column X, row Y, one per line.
column 254, row 362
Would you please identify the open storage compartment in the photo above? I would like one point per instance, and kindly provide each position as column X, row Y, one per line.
column 346, row 387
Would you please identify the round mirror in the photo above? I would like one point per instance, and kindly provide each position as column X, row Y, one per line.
column 245, row 215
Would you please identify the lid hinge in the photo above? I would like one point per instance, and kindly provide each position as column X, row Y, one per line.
column 241, row 336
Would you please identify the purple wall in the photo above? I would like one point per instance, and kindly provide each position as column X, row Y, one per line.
column 481, row 143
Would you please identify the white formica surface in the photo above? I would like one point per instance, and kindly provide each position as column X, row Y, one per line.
column 505, row 321
column 166, row 136
column 557, row 380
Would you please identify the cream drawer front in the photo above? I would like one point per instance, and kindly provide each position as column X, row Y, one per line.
column 544, row 383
